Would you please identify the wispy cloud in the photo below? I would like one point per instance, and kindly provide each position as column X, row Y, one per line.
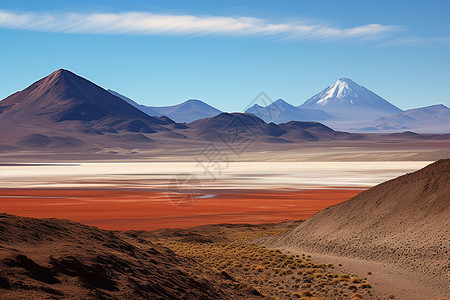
column 417, row 41
column 144, row 23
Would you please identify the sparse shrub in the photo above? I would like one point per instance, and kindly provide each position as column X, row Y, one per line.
column 306, row 293
column 365, row 286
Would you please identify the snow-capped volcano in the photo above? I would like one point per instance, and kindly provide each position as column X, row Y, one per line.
column 345, row 98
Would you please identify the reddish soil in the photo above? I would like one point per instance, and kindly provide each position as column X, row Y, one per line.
column 150, row 209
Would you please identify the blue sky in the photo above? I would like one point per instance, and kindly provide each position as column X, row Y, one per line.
column 226, row 52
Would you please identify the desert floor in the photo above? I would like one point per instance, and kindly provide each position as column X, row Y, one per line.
column 150, row 210
column 151, row 195
column 145, row 195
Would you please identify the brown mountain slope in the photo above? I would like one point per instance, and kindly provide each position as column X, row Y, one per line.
column 404, row 221
column 59, row 259
column 252, row 127
column 63, row 96
column 66, row 111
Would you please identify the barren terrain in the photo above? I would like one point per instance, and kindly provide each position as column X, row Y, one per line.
column 400, row 226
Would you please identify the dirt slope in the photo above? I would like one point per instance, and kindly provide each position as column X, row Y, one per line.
column 404, row 221
column 58, row 259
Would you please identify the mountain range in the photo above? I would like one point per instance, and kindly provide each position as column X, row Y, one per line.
column 434, row 118
column 188, row 111
column 64, row 111
column 344, row 105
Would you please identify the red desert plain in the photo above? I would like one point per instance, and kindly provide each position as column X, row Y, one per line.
column 143, row 196
column 149, row 210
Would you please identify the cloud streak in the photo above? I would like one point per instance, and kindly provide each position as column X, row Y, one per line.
column 410, row 41
column 144, row 23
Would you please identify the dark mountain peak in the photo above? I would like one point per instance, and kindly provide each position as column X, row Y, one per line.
column 61, row 75
column 245, row 117
column 63, row 95
column 223, row 120
column 62, row 72
column 306, row 125
column 166, row 120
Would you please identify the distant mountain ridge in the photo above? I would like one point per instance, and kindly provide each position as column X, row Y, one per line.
column 280, row 111
column 344, row 105
column 188, row 111
column 145, row 109
column 434, row 118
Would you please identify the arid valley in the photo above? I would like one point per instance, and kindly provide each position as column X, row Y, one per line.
column 225, row 150
column 225, row 223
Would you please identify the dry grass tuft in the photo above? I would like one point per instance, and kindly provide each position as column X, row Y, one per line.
column 274, row 274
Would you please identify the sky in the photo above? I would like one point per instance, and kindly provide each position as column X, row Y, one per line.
column 225, row 53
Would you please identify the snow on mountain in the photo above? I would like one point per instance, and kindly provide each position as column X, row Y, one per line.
column 346, row 99
column 280, row 111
